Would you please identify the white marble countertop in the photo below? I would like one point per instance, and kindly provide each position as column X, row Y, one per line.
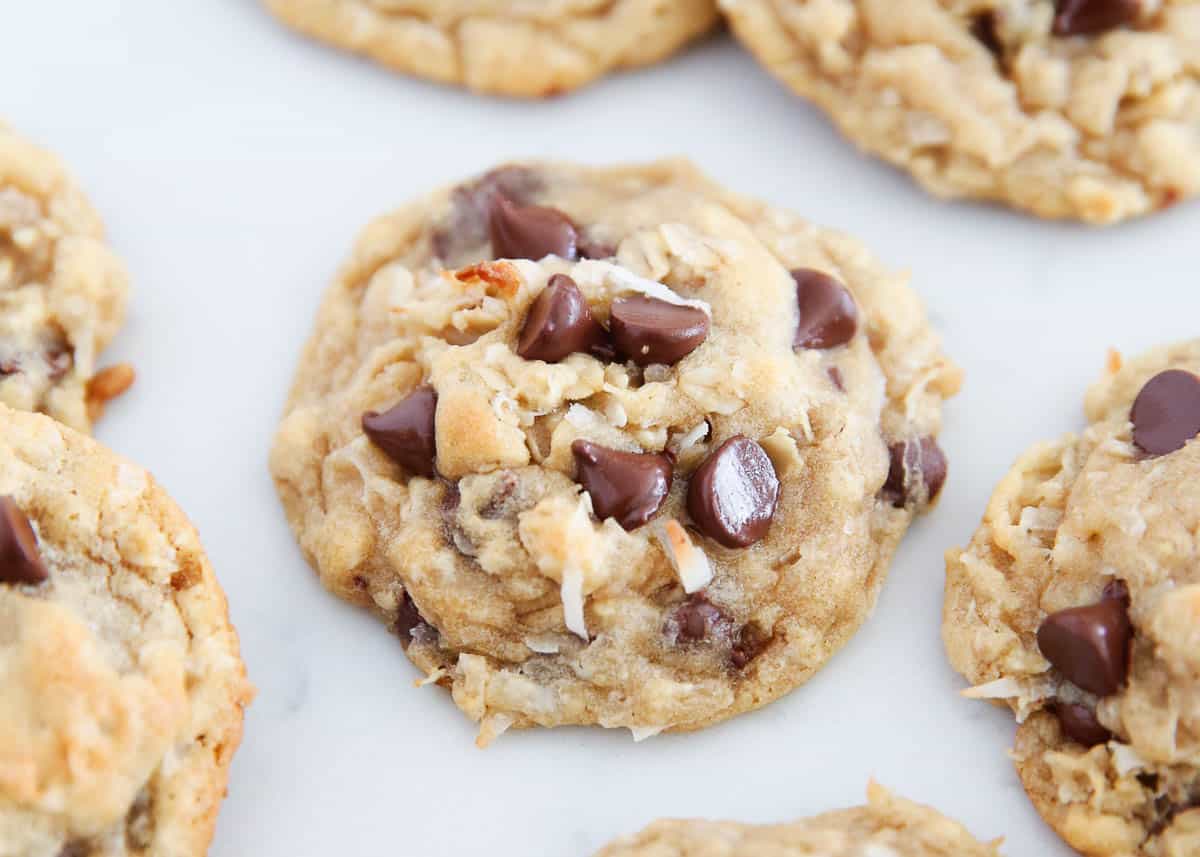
column 234, row 163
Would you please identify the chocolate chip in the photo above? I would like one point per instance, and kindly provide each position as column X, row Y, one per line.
column 1166, row 413
column 697, row 619
column 20, row 559
column 983, row 28
column 530, row 231
column 1079, row 723
column 559, row 323
column 751, row 642
column 828, row 314
column 647, row 330
column 1116, row 590
column 466, row 226
column 733, row 494
column 1087, row 17
column 406, row 431
column 408, row 621
column 916, row 473
column 627, row 486
column 1089, row 645
column 591, row 248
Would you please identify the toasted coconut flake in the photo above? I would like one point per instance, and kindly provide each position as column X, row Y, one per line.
column 1001, row 688
column 690, row 562
column 499, row 278
column 491, row 728
column 433, row 678
column 623, row 281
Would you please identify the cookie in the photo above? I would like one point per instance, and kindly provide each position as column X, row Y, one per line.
column 651, row 480
column 888, row 826
column 1086, row 109
column 62, row 291
column 504, row 47
column 1076, row 604
column 121, row 687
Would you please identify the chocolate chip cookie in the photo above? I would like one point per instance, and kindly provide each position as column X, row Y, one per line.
column 121, row 687
column 505, row 47
column 62, row 291
column 888, row 826
column 1087, row 109
column 1077, row 604
column 611, row 446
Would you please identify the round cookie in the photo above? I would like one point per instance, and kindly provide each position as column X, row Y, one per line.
column 1077, row 604
column 650, row 481
column 1087, row 109
column 62, row 291
column 888, row 826
column 504, row 47
column 121, row 686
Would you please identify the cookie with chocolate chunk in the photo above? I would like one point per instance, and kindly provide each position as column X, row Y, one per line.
column 611, row 446
column 62, row 291
column 1077, row 604
column 505, row 47
column 1085, row 109
column 887, row 826
column 121, row 685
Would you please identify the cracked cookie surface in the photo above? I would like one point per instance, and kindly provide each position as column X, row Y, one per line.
column 1077, row 604
column 1086, row 109
column 505, row 47
column 887, row 826
column 62, row 291
column 121, row 685
column 675, row 507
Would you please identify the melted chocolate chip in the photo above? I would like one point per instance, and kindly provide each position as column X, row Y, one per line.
column 406, row 431
column 1079, row 723
column 828, row 314
column 983, row 28
column 559, row 323
column 20, row 559
column 530, row 231
column 466, row 227
column 1087, row 17
column 916, row 473
column 1166, row 413
column 647, row 330
column 627, row 486
column 752, row 641
column 698, row 619
column 733, row 494
column 1089, row 645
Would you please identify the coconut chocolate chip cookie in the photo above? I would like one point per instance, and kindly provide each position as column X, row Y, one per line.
column 505, row 47
column 62, row 291
column 1087, row 109
column 611, row 446
column 1077, row 603
column 888, row 826
column 121, row 687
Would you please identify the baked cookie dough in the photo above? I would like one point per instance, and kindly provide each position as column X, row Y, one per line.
column 121, row 687
column 1077, row 603
column 506, row 47
column 888, row 826
column 1086, row 109
column 651, row 480
column 62, row 291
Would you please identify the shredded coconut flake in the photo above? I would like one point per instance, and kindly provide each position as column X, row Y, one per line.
column 621, row 281
column 491, row 728
column 1001, row 688
column 641, row 733
column 581, row 417
column 696, row 434
column 1126, row 759
column 572, row 601
column 546, row 644
column 690, row 562
column 433, row 678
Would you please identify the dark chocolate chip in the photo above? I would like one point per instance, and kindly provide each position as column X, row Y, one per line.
column 408, row 621
column 1166, row 413
column 1087, row 17
column 466, row 226
column 559, row 323
column 697, row 619
column 20, row 558
column 1089, row 645
column 983, row 28
column 916, row 472
column 627, row 486
column 591, row 248
column 1079, row 723
column 406, row 431
column 733, row 494
column 530, row 231
column 828, row 314
column 647, row 330
column 751, row 642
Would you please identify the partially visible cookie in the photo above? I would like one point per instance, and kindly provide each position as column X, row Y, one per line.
column 62, row 291
column 887, row 826
column 1086, row 109
column 121, row 686
column 611, row 446
column 1077, row 604
column 505, row 47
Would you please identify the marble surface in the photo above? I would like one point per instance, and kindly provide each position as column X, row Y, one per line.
column 234, row 163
